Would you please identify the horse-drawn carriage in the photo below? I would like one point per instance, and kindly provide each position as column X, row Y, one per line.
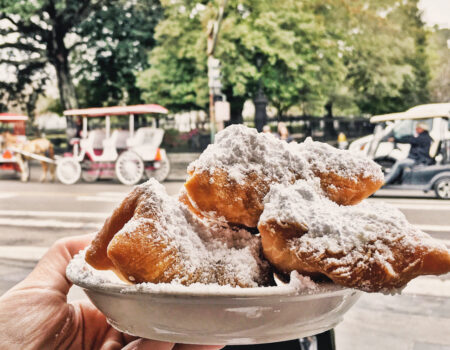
column 13, row 134
column 16, row 149
column 129, row 154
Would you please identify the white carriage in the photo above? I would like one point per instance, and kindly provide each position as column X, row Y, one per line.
column 128, row 154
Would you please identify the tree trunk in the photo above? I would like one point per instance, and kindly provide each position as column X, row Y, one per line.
column 59, row 58
column 65, row 84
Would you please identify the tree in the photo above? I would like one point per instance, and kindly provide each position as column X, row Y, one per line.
column 279, row 46
column 177, row 77
column 439, row 56
column 383, row 48
column 113, row 45
column 40, row 29
column 44, row 33
column 356, row 56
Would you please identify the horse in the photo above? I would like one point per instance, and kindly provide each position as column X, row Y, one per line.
column 39, row 146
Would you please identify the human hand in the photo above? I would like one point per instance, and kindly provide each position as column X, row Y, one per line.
column 35, row 314
column 391, row 139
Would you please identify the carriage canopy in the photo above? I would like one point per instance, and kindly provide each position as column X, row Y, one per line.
column 117, row 110
column 17, row 120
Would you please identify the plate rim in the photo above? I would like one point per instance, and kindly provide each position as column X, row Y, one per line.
column 233, row 293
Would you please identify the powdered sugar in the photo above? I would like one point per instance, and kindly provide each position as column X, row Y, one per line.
column 347, row 232
column 325, row 158
column 241, row 150
column 83, row 274
column 211, row 252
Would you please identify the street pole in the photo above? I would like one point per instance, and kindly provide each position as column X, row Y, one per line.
column 213, row 34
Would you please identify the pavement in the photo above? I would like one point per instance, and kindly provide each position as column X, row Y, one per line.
column 34, row 215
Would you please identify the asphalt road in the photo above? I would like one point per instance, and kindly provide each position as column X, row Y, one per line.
column 34, row 215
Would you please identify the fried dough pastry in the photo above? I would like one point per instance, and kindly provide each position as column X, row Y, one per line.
column 345, row 178
column 152, row 237
column 231, row 177
column 366, row 246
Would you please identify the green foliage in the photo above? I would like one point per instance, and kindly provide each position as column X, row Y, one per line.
column 359, row 56
column 114, row 47
column 439, row 57
column 177, row 77
column 383, row 48
column 283, row 47
column 44, row 33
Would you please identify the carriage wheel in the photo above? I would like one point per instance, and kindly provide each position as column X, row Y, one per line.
column 160, row 173
column 88, row 172
column 129, row 168
column 68, row 170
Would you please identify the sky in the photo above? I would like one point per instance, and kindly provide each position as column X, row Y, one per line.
column 436, row 12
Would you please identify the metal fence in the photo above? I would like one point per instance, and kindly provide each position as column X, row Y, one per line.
column 324, row 128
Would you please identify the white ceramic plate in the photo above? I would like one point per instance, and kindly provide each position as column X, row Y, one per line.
column 201, row 314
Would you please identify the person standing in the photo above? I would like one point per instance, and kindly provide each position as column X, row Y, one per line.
column 419, row 152
column 283, row 132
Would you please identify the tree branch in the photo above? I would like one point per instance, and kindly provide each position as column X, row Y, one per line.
column 31, row 61
column 5, row 16
column 25, row 28
column 22, row 47
column 83, row 12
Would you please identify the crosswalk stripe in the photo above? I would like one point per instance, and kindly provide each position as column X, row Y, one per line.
column 54, row 214
column 434, row 228
column 421, row 207
column 99, row 199
column 407, row 205
column 7, row 195
column 28, row 253
column 113, row 194
column 48, row 223
column 431, row 286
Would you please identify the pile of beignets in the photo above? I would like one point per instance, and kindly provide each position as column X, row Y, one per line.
column 254, row 205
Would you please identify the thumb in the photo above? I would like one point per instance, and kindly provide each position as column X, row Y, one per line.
column 50, row 272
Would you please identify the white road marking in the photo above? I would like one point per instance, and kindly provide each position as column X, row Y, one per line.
column 436, row 207
column 48, row 223
column 415, row 204
column 431, row 286
column 434, row 228
column 28, row 253
column 54, row 214
column 99, row 199
column 113, row 194
column 7, row 195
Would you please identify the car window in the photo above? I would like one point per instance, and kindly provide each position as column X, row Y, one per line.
column 407, row 127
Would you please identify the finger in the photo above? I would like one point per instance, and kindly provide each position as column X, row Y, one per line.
column 148, row 344
column 197, row 347
column 50, row 272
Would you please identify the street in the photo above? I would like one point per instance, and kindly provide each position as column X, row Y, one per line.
column 34, row 215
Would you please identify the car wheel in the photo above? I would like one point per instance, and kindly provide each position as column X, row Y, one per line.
column 442, row 188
